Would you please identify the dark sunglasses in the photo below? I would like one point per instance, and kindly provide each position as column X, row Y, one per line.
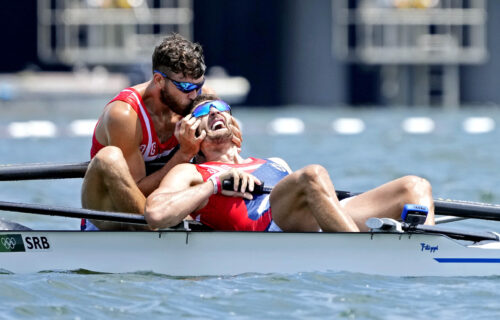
column 204, row 109
column 185, row 87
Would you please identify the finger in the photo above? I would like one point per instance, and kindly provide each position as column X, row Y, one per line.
column 251, row 184
column 245, row 195
column 236, row 131
column 196, row 124
column 236, row 179
column 192, row 120
column 236, row 141
column 244, row 183
column 202, row 136
column 177, row 130
column 182, row 126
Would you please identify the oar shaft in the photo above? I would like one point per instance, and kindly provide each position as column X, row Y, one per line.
column 72, row 212
column 39, row 171
column 77, row 170
column 36, row 171
column 466, row 209
column 455, row 208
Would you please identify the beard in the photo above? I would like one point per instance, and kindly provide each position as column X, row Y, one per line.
column 220, row 136
column 173, row 104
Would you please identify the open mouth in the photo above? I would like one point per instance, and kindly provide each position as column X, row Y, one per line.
column 217, row 125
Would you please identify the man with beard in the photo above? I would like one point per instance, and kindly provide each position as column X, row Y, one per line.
column 141, row 124
column 304, row 200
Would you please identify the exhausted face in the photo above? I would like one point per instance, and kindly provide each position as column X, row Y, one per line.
column 216, row 120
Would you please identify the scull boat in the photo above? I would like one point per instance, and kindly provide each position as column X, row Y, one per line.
column 391, row 248
column 214, row 253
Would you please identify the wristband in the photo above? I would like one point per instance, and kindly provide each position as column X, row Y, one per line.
column 217, row 184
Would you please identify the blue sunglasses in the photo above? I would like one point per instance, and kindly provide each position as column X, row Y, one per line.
column 204, row 109
column 185, row 87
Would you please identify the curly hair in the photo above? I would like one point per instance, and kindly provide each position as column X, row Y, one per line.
column 179, row 55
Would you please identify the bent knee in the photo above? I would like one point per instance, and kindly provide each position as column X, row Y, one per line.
column 108, row 156
column 312, row 172
column 415, row 184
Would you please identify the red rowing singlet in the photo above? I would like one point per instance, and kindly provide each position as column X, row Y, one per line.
column 234, row 213
column 150, row 147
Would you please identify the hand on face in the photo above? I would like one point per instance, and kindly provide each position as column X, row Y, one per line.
column 185, row 132
column 244, row 183
column 237, row 138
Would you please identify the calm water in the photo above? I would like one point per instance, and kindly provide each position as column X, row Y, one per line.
column 460, row 165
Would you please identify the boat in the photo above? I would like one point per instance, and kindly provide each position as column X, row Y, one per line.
column 187, row 253
column 391, row 248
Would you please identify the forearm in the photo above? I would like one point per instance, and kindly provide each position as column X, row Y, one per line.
column 168, row 209
column 151, row 182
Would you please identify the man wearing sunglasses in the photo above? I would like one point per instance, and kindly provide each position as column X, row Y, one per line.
column 304, row 200
column 141, row 124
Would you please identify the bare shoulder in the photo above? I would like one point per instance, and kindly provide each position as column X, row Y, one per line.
column 119, row 126
column 119, row 112
column 181, row 176
column 282, row 163
column 181, row 168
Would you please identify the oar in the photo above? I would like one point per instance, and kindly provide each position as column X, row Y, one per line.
column 447, row 219
column 72, row 212
column 455, row 208
column 38, row 171
column 34, row 171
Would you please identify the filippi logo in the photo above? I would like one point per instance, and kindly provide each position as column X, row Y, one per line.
column 426, row 247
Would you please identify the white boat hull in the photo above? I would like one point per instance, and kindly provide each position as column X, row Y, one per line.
column 192, row 253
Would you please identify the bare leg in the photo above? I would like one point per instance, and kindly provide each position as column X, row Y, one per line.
column 306, row 201
column 389, row 199
column 109, row 186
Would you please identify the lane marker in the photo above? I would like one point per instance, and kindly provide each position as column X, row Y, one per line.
column 82, row 128
column 418, row 125
column 38, row 129
column 286, row 126
column 348, row 126
column 477, row 125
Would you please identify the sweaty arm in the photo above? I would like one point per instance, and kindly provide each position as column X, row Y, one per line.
column 183, row 192
column 180, row 193
column 121, row 127
column 185, row 132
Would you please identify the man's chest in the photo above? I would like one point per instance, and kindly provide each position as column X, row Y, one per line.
column 164, row 127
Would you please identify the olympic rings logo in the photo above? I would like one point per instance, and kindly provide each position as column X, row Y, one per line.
column 8, row 243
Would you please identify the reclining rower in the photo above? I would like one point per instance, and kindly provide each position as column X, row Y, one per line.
column 304, row 200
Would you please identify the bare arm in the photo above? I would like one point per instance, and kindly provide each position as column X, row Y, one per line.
column 180, row 193
column 183, row 191
column 121, row 127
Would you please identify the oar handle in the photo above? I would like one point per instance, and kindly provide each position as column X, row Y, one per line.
column 228, row 184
